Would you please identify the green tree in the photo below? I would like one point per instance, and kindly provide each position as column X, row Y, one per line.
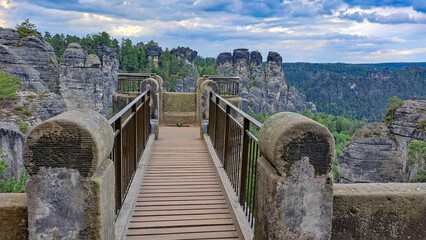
column 8, row 87
column 26, row 29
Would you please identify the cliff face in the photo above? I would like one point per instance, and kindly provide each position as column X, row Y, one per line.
column 262, row 89
column 12, row 143
column 85, row 81
column 379, row 152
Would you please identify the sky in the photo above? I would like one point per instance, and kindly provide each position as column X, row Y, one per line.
column 351, row 31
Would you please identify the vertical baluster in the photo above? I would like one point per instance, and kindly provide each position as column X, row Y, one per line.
column 226, row 137
column 244, row 159
column 118, row 159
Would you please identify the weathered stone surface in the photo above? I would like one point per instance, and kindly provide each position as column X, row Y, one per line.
column 286, row 138
column 37, row 54
column 293, row 187
column 89, row 87
column 206, row 87
column 271, row 93
column 13, row 64
column 379, row 152
column 74, row 56
column 379, row 211
column 179, row 102
column 12, row 143
column 92, row 61
column 13, row 216
column 77, row 139
column 62, row 204
column 152, row 85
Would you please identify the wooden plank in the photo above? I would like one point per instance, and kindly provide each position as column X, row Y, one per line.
column 179, row 212
column 183, row 223
column 154, row 231
column 180, row 217
column 177, row 203
column 182, row 207
column 179, row 194
column 179, row 236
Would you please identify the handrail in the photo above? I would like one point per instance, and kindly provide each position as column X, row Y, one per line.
column 226, row 86
column 131, row 128
column 130, row 82
column 237, row 148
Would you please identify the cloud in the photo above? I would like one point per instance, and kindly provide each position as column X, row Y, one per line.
column 390, row 54
column 397, row 17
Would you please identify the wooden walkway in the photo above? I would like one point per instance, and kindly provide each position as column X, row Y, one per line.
column 180, row 196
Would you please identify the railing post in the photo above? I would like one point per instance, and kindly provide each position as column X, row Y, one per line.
column 135, row 134
column 244, row 161
column 294, row 191
column 72, row 179
column 226, row 136
column 118, row 161
column 216, row 120
column 148, row 116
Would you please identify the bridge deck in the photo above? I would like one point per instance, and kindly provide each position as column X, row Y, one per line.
column 180, row 197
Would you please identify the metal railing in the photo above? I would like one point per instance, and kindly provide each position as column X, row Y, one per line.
column 131, row 82
column 233, row 134
column 131, row 132
column 227, row 86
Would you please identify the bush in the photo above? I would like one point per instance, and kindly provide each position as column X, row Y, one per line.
column 28, row 112
column 12, row 185
column 8, row 87
column 18, row 108
column 23, row 126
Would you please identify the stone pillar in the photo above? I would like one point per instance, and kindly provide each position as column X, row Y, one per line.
column 160, row 97
column 294, row 192
column 199, row 82
column 152, row 85
column 206, row 87
column 72, row 184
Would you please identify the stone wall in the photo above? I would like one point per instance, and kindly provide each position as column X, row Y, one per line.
column 179, row 107
column 379, row 211
column 13, row 216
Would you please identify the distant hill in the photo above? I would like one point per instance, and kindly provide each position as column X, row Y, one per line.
column 357, row 90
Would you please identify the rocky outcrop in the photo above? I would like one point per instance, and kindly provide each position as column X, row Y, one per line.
column 12, row 143
column 153, row 52
column 85, row 81
column 185, row 53
column 262, row 88
column 379, row 152
column 31, row 53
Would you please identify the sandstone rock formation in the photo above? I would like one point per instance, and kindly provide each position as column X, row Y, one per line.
column 189, row 83
column 153, row 52
column 85, row 81
column 185, row 53
column 262, row 88
column 379, row 152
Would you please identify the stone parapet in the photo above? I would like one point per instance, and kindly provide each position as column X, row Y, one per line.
column 379, row 211
column 13, row 216
column 294, row 192
column 72, row 181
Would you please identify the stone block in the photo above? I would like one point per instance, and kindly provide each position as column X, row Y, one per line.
column 379, row 211
column 293, row 187
column 179, row 102
column 76, row 139
column 13, row 216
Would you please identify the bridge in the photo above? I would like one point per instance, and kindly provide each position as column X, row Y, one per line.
column 180, row 166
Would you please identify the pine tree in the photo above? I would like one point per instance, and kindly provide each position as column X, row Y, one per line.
column 8, row 87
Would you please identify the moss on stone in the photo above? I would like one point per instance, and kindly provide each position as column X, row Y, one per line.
column 179, row 102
